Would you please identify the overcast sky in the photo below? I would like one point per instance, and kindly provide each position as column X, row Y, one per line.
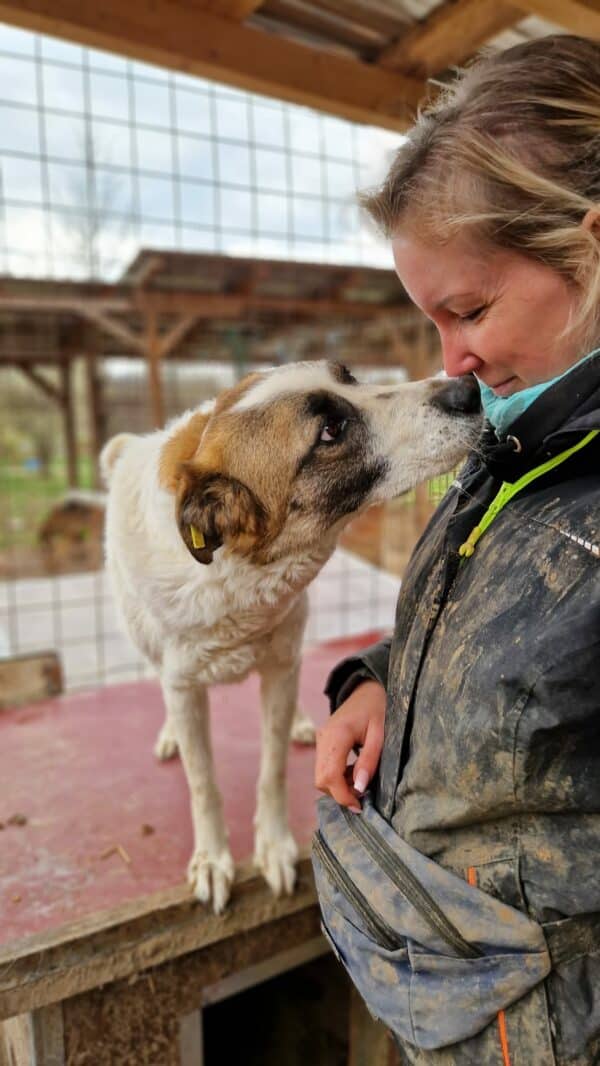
column 100, row 156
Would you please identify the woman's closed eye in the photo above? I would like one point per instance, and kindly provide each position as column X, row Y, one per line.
column 473, row 315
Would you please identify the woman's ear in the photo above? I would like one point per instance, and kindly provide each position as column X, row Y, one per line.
column 591, row 221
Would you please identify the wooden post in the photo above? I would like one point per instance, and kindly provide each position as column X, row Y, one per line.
column 69, row 424
column 154, row 369
column 96, row 412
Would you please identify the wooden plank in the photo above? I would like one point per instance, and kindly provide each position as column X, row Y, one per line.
column 169, row 340
column 42, row 383
column 68, row 409
column 232, row 9
column 97, row 420
column 448, row 36
column 115, row 329
column 137, row 936
column 383, row 17
column 295, row 14
column 47, row 1036
column 236, row 306
column 577, row 16
column 137, row 1021
column 28, row 678
column 179, row 36
column 153, row 361
column 147, row 269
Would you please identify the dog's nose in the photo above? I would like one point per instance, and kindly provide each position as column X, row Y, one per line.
column 460, row 395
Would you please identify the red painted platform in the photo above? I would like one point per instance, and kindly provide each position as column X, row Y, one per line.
column 105, row 822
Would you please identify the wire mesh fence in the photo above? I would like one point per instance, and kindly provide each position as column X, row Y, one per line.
column 101, row 155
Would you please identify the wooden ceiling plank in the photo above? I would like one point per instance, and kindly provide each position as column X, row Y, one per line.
column 577, row 16
column 309, row 17
column 379, row 17
column 232, row 9
column 450, row 35
column 179, row 36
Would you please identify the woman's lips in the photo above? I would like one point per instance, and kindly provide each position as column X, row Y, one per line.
column 506, row 387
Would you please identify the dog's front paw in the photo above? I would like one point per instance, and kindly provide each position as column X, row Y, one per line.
column 166, row 744
column 276, row 859
column 303, row 729
column 211, row 877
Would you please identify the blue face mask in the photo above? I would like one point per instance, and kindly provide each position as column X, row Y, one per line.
column 502, row 411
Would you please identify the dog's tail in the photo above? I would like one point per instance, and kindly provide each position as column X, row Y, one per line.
column 111, row 451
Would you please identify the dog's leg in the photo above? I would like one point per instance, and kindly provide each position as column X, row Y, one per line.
column 166, row 741
column 303, row 728
column 211, row 869
column 275, row 850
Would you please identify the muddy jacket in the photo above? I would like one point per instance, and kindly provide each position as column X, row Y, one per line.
column 491, row 759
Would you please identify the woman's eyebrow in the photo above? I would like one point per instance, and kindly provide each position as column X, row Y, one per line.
column 470, row 294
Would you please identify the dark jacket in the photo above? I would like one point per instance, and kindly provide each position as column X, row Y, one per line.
column 491, row 759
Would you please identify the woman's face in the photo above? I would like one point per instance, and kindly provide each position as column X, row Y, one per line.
column 499, row 314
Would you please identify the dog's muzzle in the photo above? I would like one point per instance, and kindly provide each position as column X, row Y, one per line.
column 459, row 396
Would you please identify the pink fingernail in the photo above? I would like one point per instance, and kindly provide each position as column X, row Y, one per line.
column 361, row 780
column 355, row 810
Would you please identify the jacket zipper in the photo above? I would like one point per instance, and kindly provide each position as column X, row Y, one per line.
column 409, row 885
column 378, row 928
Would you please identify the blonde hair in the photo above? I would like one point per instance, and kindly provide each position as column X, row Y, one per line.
column 510, row 154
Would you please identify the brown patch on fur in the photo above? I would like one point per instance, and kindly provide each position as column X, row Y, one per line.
column 233, row 471
column 252, row 456
column 221, row 508
column 179, row 449
column 183, row 445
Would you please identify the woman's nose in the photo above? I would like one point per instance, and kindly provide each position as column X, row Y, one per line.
column 457, row 358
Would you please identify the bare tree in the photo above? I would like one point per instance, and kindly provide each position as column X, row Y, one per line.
column 98, row 215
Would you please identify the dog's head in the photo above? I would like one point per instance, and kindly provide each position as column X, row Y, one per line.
column 287, row 456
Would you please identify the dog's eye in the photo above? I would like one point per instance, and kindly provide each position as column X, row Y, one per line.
column 333, row 430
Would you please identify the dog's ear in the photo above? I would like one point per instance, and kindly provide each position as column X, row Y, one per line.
column 215, row 509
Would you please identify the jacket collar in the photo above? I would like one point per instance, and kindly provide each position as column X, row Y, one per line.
column 568, row 409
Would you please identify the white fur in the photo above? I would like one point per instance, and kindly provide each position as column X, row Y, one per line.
column 200, row 624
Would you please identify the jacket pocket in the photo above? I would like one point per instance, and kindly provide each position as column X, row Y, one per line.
column 434, row 957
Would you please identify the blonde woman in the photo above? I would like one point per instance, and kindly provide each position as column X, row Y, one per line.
column 478, row 723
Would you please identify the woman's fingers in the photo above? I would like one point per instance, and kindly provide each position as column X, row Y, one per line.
column 358, row 722
column 370, row 753
column 334, row 744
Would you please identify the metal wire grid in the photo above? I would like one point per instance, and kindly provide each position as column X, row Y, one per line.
column 112, row 154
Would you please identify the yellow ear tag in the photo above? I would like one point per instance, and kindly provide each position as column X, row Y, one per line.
column 198, row 540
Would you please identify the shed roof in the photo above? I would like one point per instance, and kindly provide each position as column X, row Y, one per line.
column 203, row 305
column 367, row 60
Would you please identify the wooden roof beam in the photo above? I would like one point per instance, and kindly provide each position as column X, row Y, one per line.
column 148, row 269
column 118, row 330
column 232, row 9
column 180, row 36
column 448, row 36
column 169, row 340
column 236, row 306
column 577, row 16
column 52, row 391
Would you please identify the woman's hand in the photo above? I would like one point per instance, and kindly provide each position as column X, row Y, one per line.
column 359, row 721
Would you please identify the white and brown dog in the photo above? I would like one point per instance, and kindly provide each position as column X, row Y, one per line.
column 216, row 525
